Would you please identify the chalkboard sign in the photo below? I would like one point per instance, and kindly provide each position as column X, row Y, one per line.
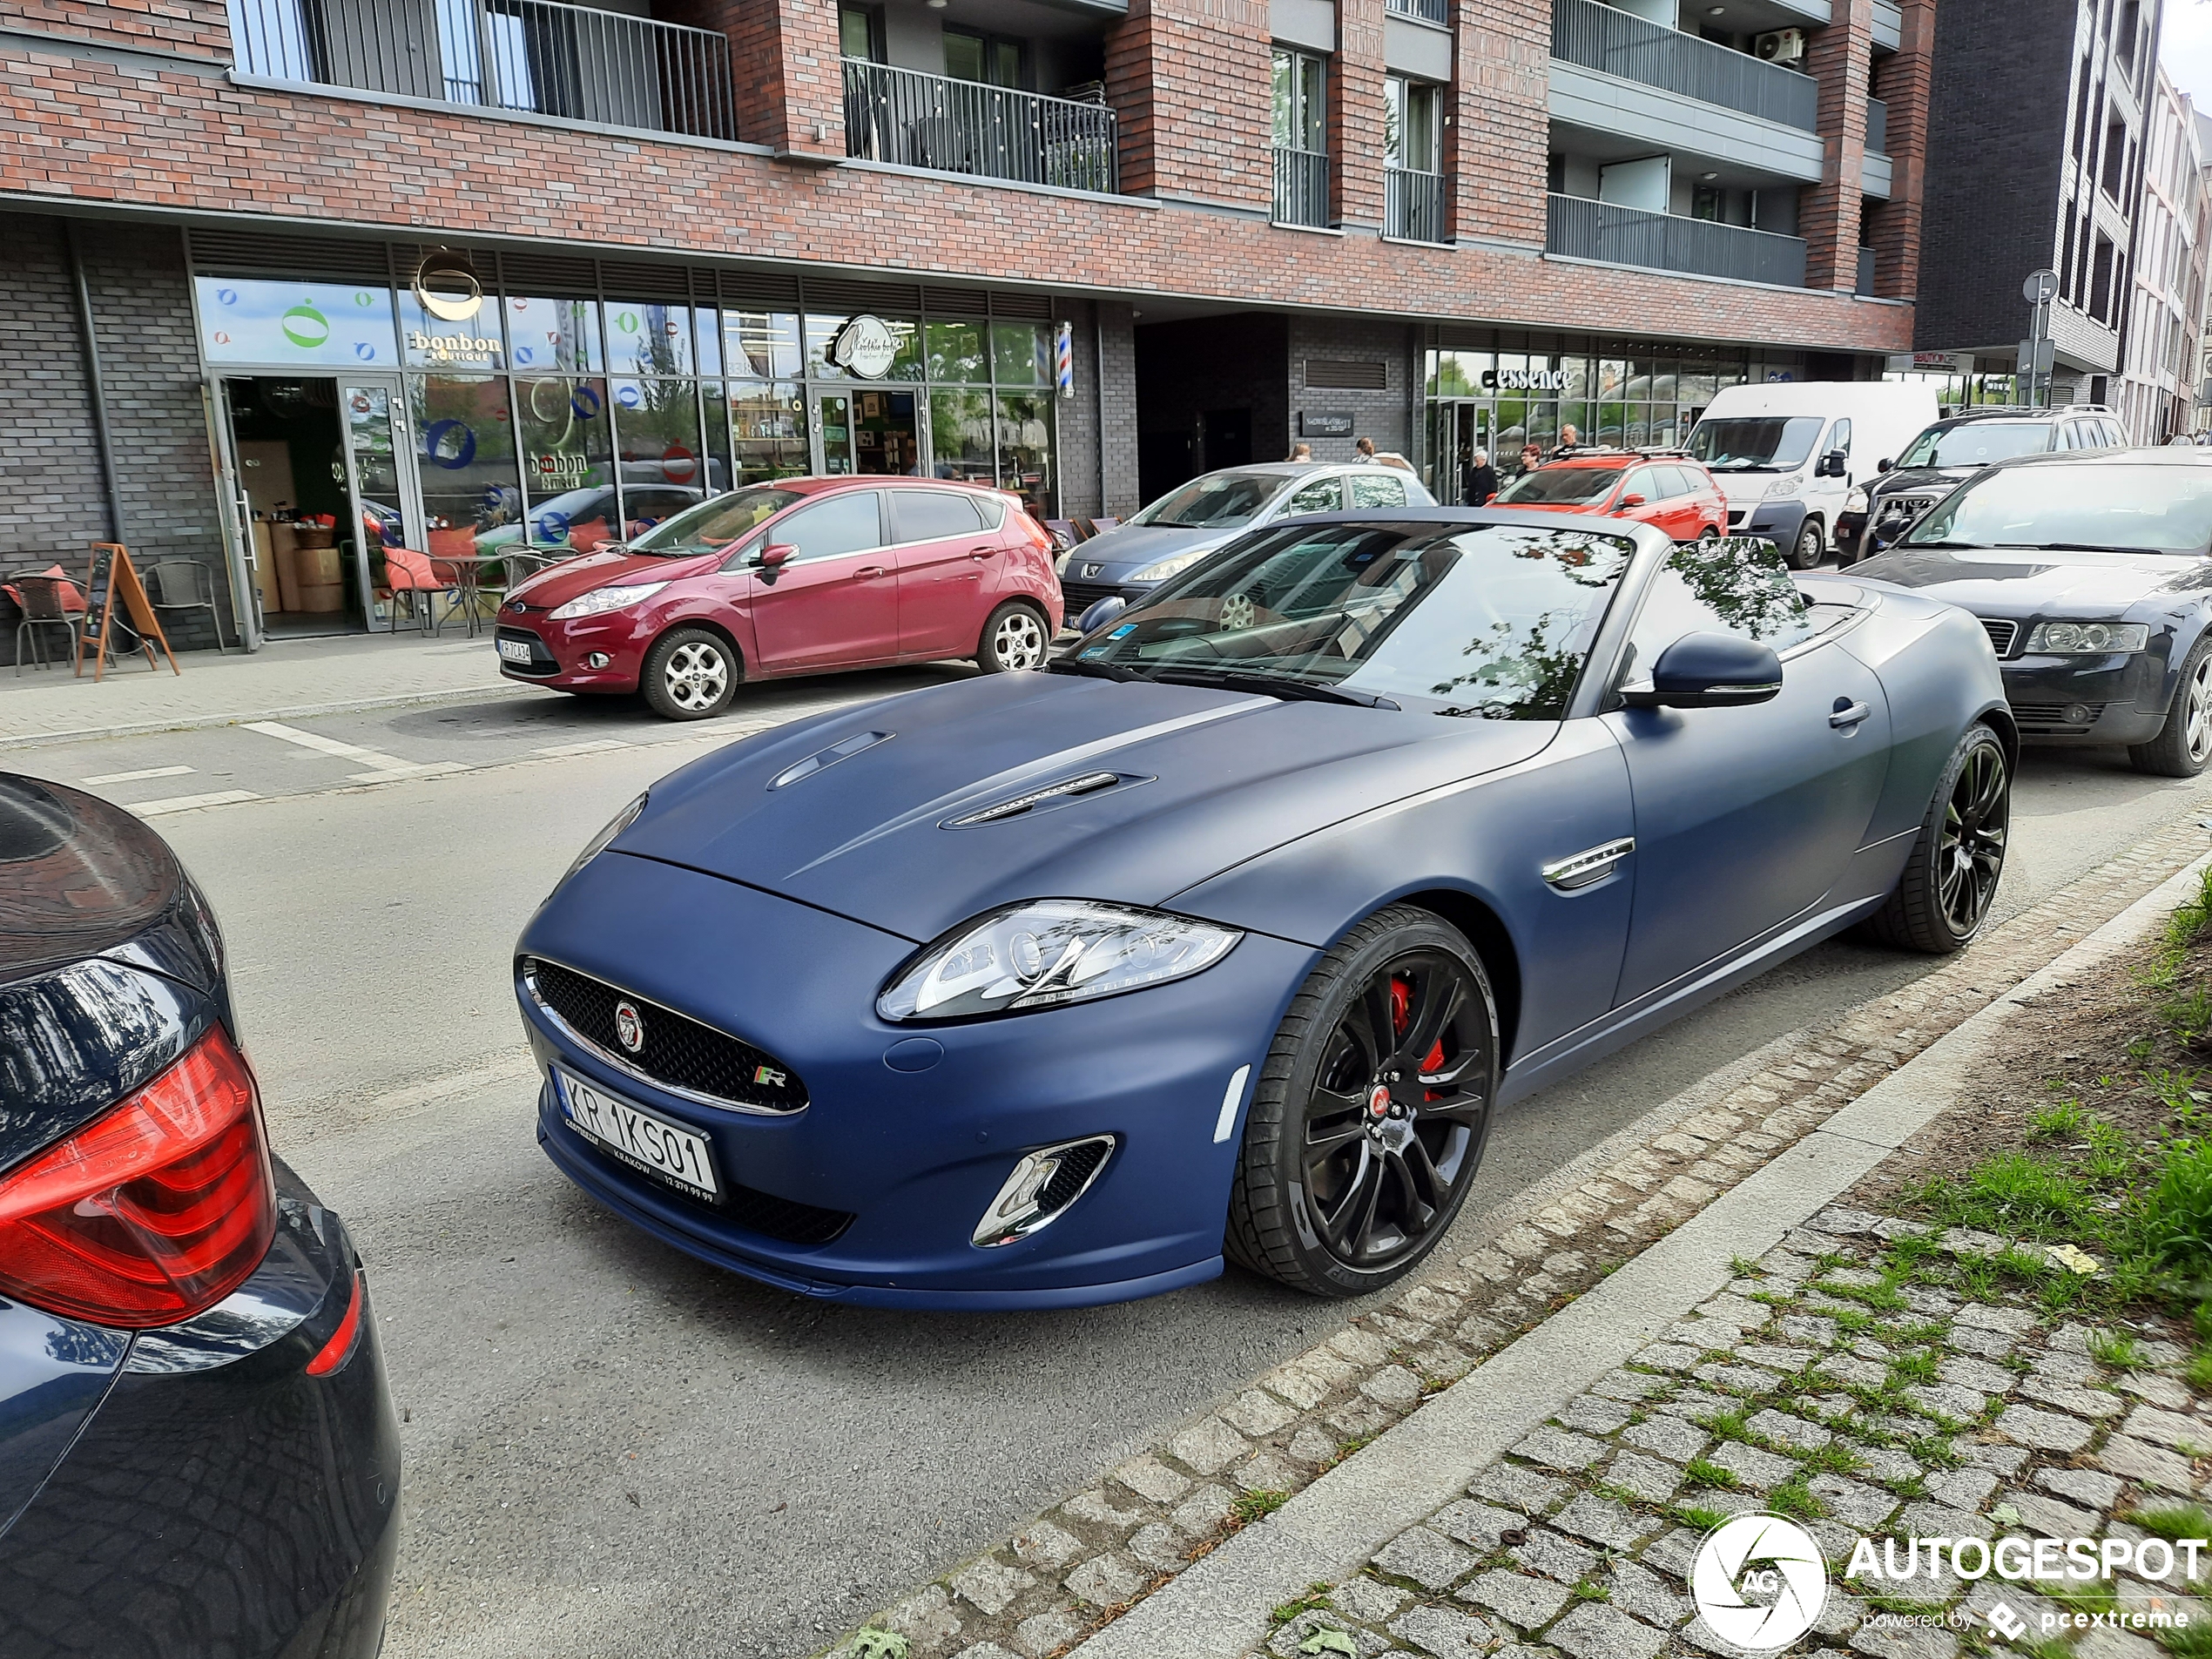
column 1311, row 425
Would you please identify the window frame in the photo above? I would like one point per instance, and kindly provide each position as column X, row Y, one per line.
column 1306, row 101
column 826, row 498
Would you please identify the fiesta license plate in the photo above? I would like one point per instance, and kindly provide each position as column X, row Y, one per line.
column 642, row 1139
column 515, row 650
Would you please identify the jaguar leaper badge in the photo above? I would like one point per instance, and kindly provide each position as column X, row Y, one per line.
column 629, row 1026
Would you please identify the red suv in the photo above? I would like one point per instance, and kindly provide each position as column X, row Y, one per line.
column 1671, row 493
column 794, row 577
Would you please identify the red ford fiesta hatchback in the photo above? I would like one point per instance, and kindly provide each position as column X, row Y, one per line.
column 798, row 576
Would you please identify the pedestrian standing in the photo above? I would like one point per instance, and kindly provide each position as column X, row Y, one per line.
column 1364, row 450
column 1568, row 441
column 1301, row 452
column 1531, row 457
column 1480, row 481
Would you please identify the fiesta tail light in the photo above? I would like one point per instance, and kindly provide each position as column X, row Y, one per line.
column 155, row 1211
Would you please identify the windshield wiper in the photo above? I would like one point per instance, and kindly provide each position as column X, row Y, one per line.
column 2075, row 547
column 1094, row 670
column 1229, row 679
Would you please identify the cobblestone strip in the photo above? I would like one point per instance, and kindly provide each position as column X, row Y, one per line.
column 1095, row 1555
column 1866, row 1375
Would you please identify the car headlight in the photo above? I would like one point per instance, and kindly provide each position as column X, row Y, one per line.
column 2088, row 639
column 1174, row 564
column 1855, row 500
column 602, row 599
column 1781, row 487
column 1060, row 564
column 621, row 821
column 1045, row 952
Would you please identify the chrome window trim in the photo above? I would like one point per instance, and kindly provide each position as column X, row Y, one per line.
column 554, row 1019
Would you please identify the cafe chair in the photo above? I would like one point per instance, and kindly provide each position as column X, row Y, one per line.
column 409, row 572
column 42, row 600
column 186, row 584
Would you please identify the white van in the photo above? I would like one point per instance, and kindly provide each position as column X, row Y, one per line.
column 1787, row 453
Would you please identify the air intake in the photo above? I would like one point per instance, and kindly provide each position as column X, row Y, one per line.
column 1041, row 1189
column 1091, row 782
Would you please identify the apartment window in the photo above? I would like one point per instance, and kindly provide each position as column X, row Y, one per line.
column 2101, row 281
column 2081, row 98
column 1413, row 160
column 1301, row 107
column 2066, row 285
column 860, row 34
column 992, row 59
column 2115, row 156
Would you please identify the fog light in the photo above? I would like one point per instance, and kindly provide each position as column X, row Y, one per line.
column 597, row 659
column 1042, row 1187
column 2078, row 714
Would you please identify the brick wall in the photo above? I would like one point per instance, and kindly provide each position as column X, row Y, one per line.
column 785, row 60
column 1904, row 79
column 1356, row 116
column 1190, row 80
column 1500, row 136
column 50, row 496
column 1077, row 416
column 1380, row 414
column 199, row 27
column 1118, row 328
column 189, row 143
column 1839, row 58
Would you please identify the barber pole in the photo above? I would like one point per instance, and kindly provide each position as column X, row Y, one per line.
column 1063, row 358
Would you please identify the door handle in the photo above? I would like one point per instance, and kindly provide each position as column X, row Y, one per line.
column 1848, row 714
column 981, row 552
column 862, row 575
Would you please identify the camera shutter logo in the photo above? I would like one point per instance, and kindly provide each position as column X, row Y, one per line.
column 629, row 1027
column 1775, row 1559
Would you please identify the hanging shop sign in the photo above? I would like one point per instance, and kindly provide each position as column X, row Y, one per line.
column 865, row 346
column 1524, row 380
column 446, row 287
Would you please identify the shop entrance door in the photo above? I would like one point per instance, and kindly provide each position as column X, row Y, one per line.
column 1461, row 429
column 869, row 429
column 388, row 504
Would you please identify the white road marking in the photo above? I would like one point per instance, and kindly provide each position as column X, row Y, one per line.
column 185, row 803
column 321, row 745
column 591, row 746
column 133, row 777
column 427, row 769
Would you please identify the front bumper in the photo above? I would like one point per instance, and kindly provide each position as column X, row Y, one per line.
column 912, row 1156
column 1779, row 521
column 221, row 1501
column 2122, row 697
column 559, row 652
column 1079, row 596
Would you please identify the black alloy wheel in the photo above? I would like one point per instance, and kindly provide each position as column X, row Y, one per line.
column 1951, row 876
column 1369, row 1121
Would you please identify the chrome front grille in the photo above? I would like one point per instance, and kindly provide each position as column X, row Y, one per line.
column 679, row 1053
column 2003, row 632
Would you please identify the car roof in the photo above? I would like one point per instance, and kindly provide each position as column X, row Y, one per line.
column 2020, row 415
column 2140, row 454
column 816, row 485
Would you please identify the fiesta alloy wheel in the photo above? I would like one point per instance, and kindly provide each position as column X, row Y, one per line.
column 1951, row 876
column 1014, row 639
column 1370, row 1113
column 689, row 674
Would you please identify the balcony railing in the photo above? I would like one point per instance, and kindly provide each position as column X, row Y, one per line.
column 1301, row 187
column 575, row 62
column 1413, row 205
column 1604, row 38
column 1864, row 284
column 1878, row 127
column 1582, row 229
column 947, row 125
column 1426, row 10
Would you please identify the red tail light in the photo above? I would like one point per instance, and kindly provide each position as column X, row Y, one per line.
column 153, row 1211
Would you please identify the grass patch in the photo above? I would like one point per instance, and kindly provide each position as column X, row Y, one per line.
column 1937, row 1450
column 2065, row 1121
column 1256, row 1505
column 2190, row 1641
column 1882, row 1603
column 2118, row 1349
column 1742, row 1268
column 1883, row 1297
column 1589, row 1589
column 2175, row 1520
column 1708, row 1474
column 1919, row 1366
column 1794, row 1497
column 1704, row 1520
column 1315, row 1600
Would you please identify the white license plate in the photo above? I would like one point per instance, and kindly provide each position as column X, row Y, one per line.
column 515, row 650
column 641, row 1139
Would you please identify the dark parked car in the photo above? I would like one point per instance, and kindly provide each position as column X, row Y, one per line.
column 197, row 1451
column 2093, row 576
column 1953, row 450
column 1230, row 934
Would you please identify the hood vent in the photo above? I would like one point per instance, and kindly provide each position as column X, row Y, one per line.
column 1089, row 784
column 828, row 756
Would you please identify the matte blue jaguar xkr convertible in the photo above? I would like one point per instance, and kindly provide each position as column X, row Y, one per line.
column 1229, row 935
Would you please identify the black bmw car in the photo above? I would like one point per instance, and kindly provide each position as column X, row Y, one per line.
column 197, row 1450
column 2093, row 576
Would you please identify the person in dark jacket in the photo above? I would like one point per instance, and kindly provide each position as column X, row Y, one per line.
column 1478, row 479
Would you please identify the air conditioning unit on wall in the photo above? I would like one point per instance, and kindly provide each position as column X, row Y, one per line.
column 1782, row 46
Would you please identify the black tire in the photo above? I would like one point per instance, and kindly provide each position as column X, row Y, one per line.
column 2184, row 743
column 1941, row 900
column 1333, row 1122
column 1707, row 536
column 1811, row 546
column 689, row 674
column 1016, row 637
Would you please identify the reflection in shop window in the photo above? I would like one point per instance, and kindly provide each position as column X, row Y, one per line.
column 1022, row 354
column 955, row 351
column 657, row 428
column 1025, row 448
column 960, row 425
column 464, row 451
column 649, row 338
column 768, row 422
column 568, row 454
column 546, row 336
column 764, row 345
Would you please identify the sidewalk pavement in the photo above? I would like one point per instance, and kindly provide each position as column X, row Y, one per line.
column 1378, row 1461
column 290, row 679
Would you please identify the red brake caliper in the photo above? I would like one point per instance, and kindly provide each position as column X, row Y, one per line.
column 1401, row 1015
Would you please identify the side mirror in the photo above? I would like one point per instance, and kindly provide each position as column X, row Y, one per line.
column 1102, row 613
column 1884, row 464
column 1834, row 464
column 1710, row 672
column 776, row 555
column 1628, row 502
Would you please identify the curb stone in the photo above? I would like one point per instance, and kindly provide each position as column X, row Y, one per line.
column 1372, row 1460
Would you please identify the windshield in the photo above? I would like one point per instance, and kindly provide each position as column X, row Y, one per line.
column 1218, row 501
column 1978, row 443
column 1497, row 620
column 1561, row 485
column 2159, row 509
column 714, row 523
column 1756, row 443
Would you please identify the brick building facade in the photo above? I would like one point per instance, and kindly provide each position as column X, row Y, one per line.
column 1108, row 183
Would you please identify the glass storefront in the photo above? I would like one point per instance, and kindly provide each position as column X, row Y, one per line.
column 1628, row 393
